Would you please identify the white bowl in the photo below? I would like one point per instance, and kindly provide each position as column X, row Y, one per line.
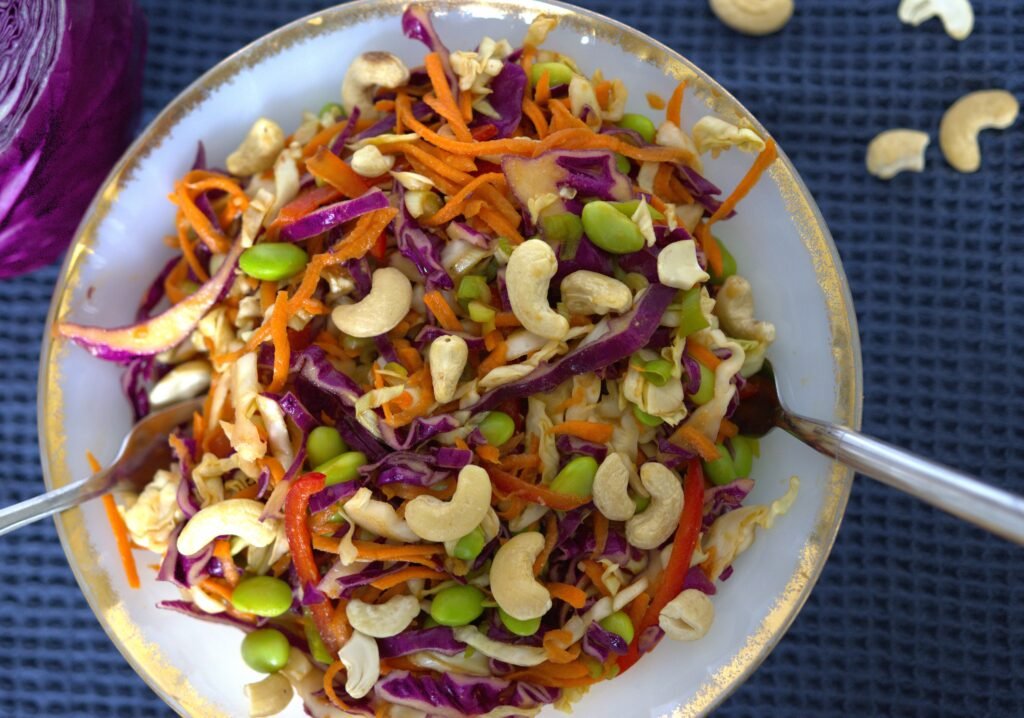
column 778, row 237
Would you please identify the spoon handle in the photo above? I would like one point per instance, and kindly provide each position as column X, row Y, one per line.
column 29, row 510
column 995, row 510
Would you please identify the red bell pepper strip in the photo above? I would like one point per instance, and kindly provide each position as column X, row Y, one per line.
column 536, row 494
column 300, row 543
column 674, row 575
column 380, row 248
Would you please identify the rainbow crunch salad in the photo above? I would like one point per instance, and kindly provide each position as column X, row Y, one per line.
column 468, row 349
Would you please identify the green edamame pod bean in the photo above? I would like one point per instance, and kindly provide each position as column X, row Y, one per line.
column 469, row 546
column 706, row 392
column 323, row 444
column 316, row 643
column 576, row 477
column 558, row 73
column 619, row 624
column 646, row 419
column 480, row 312
column 497, row 427
column 658, row 371
column 728, row 264
column 691, row 318
column 473, row 286
column 355, row 344
column 519, row 628
column 639, row 124
column 263, row 596
column 742, row 456
column 457, row 605
column 343, row 467
column 334, row 109
column 641, row 503
column 273, row 261
column 562, row 227
column 622, row 164
column 265, row 650
column 721, row 471
column 611, row 230
column 629, row 208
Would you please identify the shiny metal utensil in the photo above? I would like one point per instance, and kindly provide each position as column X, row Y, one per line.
column 142, row 452
column 957, row 493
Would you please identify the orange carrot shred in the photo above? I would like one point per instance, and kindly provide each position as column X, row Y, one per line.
column 689, row 438
column 710, row 246
column 333, row 170
column 407, row 574
column 452, row 207
column 727, row 430
column 595, row 573
column 329, row 675
column 550, row 539
column 495, row 359
column 282, row 348
column 441, row 310
column 673, row 112
column 596, row 431
column 542, row 92
column 703, row 355
column 655, row 101
column 439, row 81
column 764, row 160
column 121, row 538
column 569, row 594
column 600, row 533
column 489, row 453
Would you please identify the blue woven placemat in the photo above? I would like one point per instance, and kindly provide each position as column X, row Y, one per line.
column 916, row 614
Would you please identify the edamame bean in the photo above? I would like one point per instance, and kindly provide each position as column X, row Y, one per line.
column 273, row 261
column 658, row 371
column 315, row 642
column 706, row 392
column 629, row 208
column 619, row 624
column 497, row 427
column 691, row 318
column 562, row 227
column 343, row 467
column 265, row 650
column 611, row 230
column 622, row 164
column 576, row 477
column 355, row 344
column 519, row 628
column 323, row 444
column 641, row 503
column 594, row 667
column 721, row 471
column 742, row 455
column 429, row 622
column 457, row 605
column 728, row 264
column 335, row 110
column 558, row 73
column 639, row 124
column 635, row 281
column 262, row 596
column 480, row 312
column 646, row 419
column 473, row 287
column 469, row 546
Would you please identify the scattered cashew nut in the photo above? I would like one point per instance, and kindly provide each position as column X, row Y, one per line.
column 688, row 616
column 972, row 113
column 586, row 292
column 447, row 358
column 258, row 150
column 370, row 70
column 753, row 17
column 515, row 589
column 231, row 517
column 530, row 268
column 895, row 151
column 432, row 519
column 382, row 620
column 369, row 161
column 269, row 696
column 957, row 15
column 651, row 528
column 378, row 517
column 362, row 664
column 610, row 488
column 380, row 310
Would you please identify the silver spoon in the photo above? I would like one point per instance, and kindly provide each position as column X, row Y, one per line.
column 955, row 492
column 142, row 452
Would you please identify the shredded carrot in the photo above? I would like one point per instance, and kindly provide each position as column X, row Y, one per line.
column 500, row 224
column 204, row 229
column 454, row 204
column 384, row 552
column 554, row 675
column 117, row 526
column 532, row 111
column 407, row 574
column 638, row 607
column 727, row 430
column 282, row 349
column 710, row 246
column 249, row 492
column 702, row 354
column 661, row 181
column 222, row 552
column 439, row 81
column 577, row 397
column 579, row 138
column 564, row 119
column 188, row 250
column 595, row 573
column 466, row 108
column 492, row 339
column 550, row 539
column 655, row 101
column 420, row 381
column 333, row 170
column 489, row 453
column 763, row 162
column 275, row 468
column 217, row 588
column 542, row 92
column 409, row 358
column 302, row 205
column 442, row 311
column 556, row 644
column 596, row 431
column 689, row 438
column 674, row 110
column 515, row 146
column 495, row 359
column 514, row 462
column 603, row 93
column 570, row 594
column 324, row 136
column 329, row 675
column 600, row 533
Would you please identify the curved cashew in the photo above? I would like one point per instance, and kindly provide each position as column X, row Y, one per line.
column 370, row 70
column 678, row 266
column 382, row 620
column 957, row 15
column 651, row 528
column 505, row 652
column 182, row 382
column 432, row 519
column 369, row 161
column 753, row 17
column 362, row 664
column 515, row 589
column 269, row 696
column 587, row 292
column 231, row 517
column 688, row 616
column 735, row 311
column 381, row 310
column 610, row 483
column 447, row 358
column 530, row 269
column 258, row 150
column 378, row 517
column 895, row 151
column 972, row 113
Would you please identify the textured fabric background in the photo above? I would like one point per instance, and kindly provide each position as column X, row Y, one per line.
column 916, row 614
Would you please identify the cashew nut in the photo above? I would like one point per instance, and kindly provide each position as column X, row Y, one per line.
column 527, row 276
column 371, row 162
column 362, row 664
column 735, row 310
column 231, row 517
column 182, row 382
column 447, row 357
column 610, row 483
column 982, row 110
column 370, row 70
column 432, row 519
column 895, row 151
column 586, row 292
column 258, row 150
column 957, row 15
column 378, row 517
column 515, row 589
column 753, row 17
column 688, row 616
column 381, row 310
column 651, row 528
column 678, row 266
column 382, row 620
column 269, row 696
